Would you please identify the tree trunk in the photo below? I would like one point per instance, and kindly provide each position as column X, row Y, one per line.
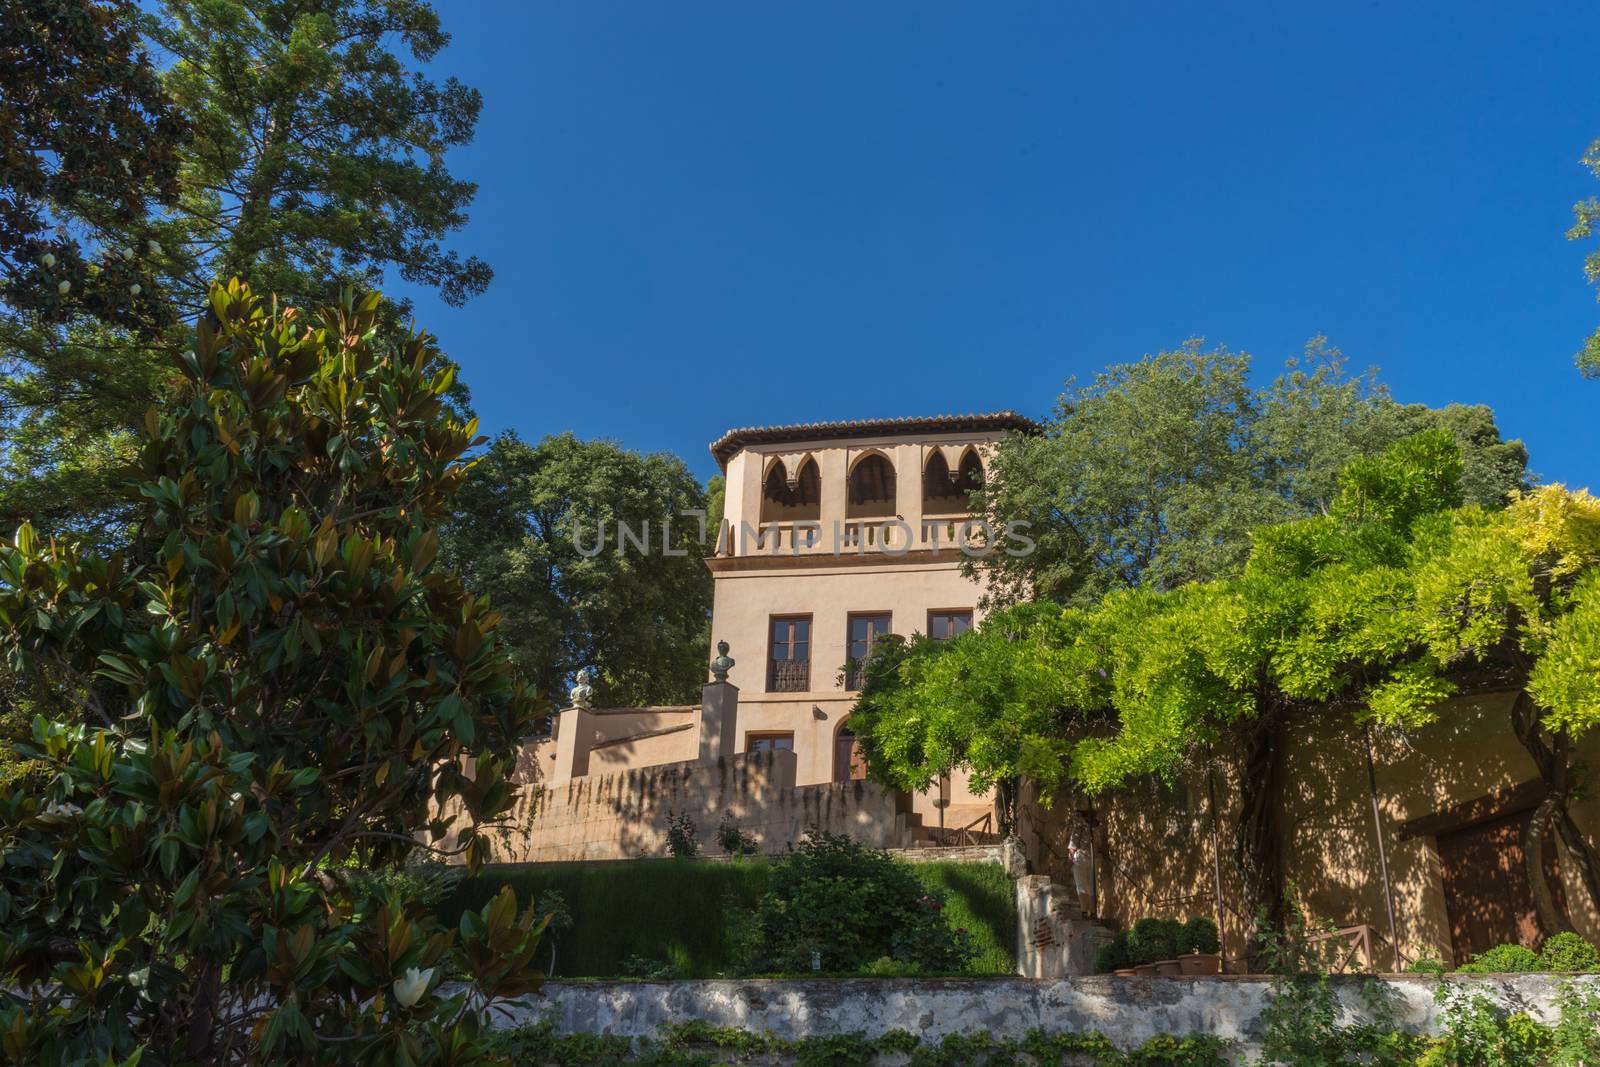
column 1256, row 842
column 1553, row 759
column 1005, row 802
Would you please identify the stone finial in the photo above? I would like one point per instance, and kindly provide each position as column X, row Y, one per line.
column 581, row 694
column 722, row 664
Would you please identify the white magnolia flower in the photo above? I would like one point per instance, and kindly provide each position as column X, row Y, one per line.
column 48, row 259
column 64, row 288
column 409, row 987
column 155, row 249
column 125, row 168
column 127, row 253
column 135, row 288
column 65, row 811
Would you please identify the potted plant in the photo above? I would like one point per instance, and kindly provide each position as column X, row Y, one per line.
column 1151, row 943
column 1199, row 944
column 1114, row 957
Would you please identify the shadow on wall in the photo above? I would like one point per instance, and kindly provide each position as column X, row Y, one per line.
column 1454, row 876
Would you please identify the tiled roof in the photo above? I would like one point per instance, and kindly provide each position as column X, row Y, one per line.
column 724, row 447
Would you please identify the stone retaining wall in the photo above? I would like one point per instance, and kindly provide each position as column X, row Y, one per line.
column 1129, row 1011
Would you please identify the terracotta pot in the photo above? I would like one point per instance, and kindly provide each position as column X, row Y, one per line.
column 1169, row 968
column 1200, row 963
column 1124, row 972
column 1144, row 970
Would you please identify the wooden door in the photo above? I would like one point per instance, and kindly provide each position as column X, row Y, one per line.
column 1486, row 891
column 848, row 766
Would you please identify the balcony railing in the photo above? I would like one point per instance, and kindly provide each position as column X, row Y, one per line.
column 789, row 676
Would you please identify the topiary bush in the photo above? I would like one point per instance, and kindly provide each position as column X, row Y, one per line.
column 1114, row 955
column 1503, row 959
column 1568, row 953
column 1200, row 935
column 1151, row 940
column 836, row 905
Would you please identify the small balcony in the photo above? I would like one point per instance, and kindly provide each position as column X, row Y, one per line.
column 789, row 676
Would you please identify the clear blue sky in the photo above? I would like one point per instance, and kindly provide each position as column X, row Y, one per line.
column 704, row 215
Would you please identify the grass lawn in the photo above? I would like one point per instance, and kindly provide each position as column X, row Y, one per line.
column 679, row 910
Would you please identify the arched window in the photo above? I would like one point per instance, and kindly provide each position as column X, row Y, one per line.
column 782, row 502
column 944, row 493
column 871, row 488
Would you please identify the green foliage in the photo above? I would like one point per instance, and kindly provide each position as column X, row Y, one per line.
column 694, row 915
column 1114, row 955
column 89, row 141
column 1151, row 940
column 525, row 530
column 1159, row 472
column 732, row 840
column 1584, row 215
column 291, row 685
column 836, row 905
column 1503, row 959
column 313, row 158
column 681, row 841
column 1303, row 1028
column 1200, row 934
column 1426, row 965
column 678, row 913
column 1565, row 952
column 697, row 1044
column 1568, row 953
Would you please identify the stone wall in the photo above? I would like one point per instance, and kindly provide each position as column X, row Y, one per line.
column 1129, row 1011
column 1155, row 849
column 624, row 815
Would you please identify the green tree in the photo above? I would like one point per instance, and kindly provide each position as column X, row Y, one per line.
column 88, row 140
column 1157, row 473
column 1585, row 213
column 291, row 687
column 316, row 161
column 536, row 526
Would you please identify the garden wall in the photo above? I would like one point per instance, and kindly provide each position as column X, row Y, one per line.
column 1128, row 1011
column 623, row 815
column 1155, row 850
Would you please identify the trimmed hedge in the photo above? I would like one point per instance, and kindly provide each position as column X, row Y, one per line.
column 681, row 912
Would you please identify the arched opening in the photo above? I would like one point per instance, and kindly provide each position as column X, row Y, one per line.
column 871, row 488
column 947, row 493
column 782, row 502
column 848, row 764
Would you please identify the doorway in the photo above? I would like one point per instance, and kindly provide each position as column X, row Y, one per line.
column 1487, row 895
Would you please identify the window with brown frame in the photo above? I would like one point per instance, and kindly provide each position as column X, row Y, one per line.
column 943, row 625
column 864, row 629
column 769, row 741
column 789, row 661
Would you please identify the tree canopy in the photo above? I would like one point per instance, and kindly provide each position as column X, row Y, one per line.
column 1399, row 597
column 293, row 683
column 536, row 526
column 1158, row 472
column 313, row 160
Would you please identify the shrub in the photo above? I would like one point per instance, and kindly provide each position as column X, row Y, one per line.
column 1114, row 955
column 681, row 839
column 1200, row 935
column 1154, row 939
column 732, row 840
column 1568, row 953
column 846, row 905
column 1503, row 959
column 1426, row 965
column 283, row 693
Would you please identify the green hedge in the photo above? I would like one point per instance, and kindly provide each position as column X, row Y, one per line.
column 678, row 911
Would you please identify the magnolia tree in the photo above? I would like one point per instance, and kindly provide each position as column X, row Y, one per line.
column 282, row 695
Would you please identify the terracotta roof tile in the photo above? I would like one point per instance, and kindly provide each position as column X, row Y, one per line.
column 724, row 447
